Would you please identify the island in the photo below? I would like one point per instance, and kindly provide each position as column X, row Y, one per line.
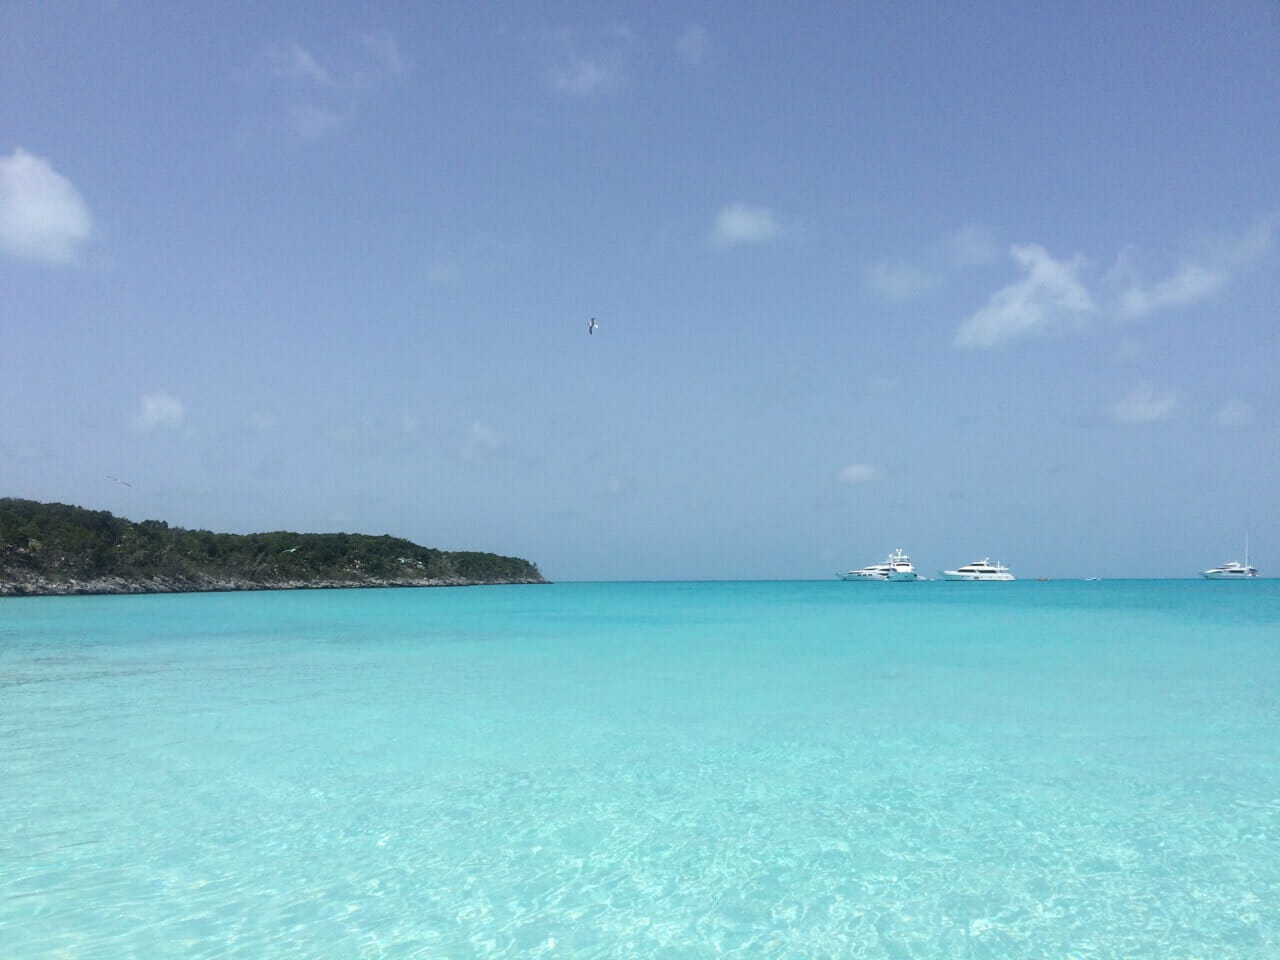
column 53, row 549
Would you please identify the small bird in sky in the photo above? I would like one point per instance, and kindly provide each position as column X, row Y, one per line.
column 591, row 327
column 124, row 483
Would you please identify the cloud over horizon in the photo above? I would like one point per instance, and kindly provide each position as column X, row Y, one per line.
column 742, row 223
column 1144, row 404
column 1048, row 298
column 1200, row 274
column 158, row 411
column 323, row 95
column 898, row 281
column 42, row 215
column 859, row 473
column 1233, row 414
column 584, row 67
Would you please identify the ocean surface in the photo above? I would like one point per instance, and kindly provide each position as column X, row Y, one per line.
column 810, row 769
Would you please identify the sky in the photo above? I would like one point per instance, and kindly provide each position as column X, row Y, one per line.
column 971, row 280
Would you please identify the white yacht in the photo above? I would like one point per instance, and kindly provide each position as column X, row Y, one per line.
column 1235, row 570
column 897, row 567
column 982, row 569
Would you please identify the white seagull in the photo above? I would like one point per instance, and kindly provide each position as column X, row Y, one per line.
column 591, row 327
column 118, row 480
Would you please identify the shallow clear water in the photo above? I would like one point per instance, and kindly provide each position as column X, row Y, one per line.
column 618, row 770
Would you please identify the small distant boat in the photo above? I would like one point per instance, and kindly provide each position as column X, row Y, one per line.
column 898, row 567
column 982, row 569
column 1235, row 570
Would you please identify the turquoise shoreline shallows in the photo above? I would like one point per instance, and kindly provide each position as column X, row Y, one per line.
column 815, row 769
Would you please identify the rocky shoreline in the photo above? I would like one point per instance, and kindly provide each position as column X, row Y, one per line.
column 39, row 586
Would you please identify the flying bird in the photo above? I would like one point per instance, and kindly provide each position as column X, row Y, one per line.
column 591, row 327
column 125, row 483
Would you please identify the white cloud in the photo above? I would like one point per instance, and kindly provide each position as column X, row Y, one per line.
column 692, row 45
column 1232, row 414
column 312, row 122
column 158, row 411
column 321, row 96
column 740, row 223
column 482, row 441
column 586, row 76
column 485, row 436
column 289, row 60
column 442, row 274
column 1190, row 283
column 1144, row 404
column 588, row 67
column 1049, row 297
column 899, row 281
column 971, row 245
column 859, row 473
column 42, row 215
column 1209, row 266
column 385, row 60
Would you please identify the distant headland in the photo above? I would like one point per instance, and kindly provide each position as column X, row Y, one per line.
column 52, row 549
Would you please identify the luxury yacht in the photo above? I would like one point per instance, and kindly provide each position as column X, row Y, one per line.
column 897, row 567
column 982, row 569
column 1230, row 571
column 1235, row 570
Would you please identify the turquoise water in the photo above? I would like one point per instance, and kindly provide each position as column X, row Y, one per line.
column 644, row 770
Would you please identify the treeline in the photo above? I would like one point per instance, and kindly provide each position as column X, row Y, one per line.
column 58, row 542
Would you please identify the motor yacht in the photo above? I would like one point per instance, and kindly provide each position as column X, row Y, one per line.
column 982, row 569
column 1235, row 570
column 897, row 567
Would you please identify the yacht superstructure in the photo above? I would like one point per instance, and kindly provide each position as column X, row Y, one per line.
column 897, row 567
column 982, row 569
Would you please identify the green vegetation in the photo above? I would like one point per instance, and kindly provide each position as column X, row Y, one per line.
column 43, row 545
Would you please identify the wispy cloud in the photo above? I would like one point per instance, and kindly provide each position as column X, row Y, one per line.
column 1048, row 298
column 321, row 95
column 1144, row 404
column 1191, row 282
column 859, row 473
column 899, row 280
column 692, row 46
column 443, row 273
column 741, row 223
column 289, row 60
column 383, row 62
column 1199, row 274
column 585, row 65
column 312, row 121
column 1233, row 414
column 42, row 215
column 158, row 411
column 971, row 245
column 482, row 441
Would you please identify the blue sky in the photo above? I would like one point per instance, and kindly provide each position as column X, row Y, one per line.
column 971, row 280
